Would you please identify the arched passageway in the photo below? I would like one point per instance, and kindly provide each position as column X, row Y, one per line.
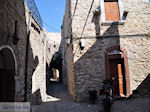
column 7, row 74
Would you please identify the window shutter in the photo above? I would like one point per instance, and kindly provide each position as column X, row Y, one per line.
column 112, row 11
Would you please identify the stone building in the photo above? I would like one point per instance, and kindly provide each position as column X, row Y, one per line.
column 107, row 41
column 22, row 65
column 53, row 44
column 13, row 33
column 36, row 65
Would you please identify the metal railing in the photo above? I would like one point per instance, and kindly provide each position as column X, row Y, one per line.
column 33, row 8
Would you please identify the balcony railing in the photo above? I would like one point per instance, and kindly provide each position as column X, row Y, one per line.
column 36, row 15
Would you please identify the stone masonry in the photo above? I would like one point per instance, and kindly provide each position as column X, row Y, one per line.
column 36, row 66
column 86, row 69
column 53, row 45
column 12, row 11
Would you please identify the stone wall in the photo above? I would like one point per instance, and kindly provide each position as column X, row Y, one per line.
column 89, row 63
column 53, row 45
column 36, row 66
column 68, row 65
column 10, row 12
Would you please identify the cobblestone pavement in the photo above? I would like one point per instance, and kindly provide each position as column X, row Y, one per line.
column 60, row 101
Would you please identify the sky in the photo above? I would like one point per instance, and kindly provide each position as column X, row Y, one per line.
column 52, row 12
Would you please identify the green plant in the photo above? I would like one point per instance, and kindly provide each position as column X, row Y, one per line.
column 148, row 34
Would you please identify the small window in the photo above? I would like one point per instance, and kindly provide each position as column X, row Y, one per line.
column 111, row 10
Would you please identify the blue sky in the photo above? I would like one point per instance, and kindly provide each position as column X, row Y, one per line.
column 52, row 12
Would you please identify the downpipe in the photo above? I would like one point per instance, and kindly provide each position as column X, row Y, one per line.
column 26, row 58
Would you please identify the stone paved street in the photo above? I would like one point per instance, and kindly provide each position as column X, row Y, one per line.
column 60, row 101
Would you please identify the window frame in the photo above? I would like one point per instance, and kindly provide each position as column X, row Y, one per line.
column 103, row 17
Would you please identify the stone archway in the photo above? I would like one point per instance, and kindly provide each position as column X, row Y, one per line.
column 117, row 70
column 8, row 69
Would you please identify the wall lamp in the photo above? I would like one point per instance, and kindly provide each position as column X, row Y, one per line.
column 68, row 40
column 125, row 13
column 82, row 44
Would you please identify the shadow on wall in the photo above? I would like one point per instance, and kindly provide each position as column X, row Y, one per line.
column 37, row 98
column 90, row 67
column 48, row 72
column 143, row 89
column 13, row 32
column 33, row 62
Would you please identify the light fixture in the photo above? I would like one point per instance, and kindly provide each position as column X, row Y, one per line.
column 125, row 13
column 68, row 40
column 15, row 40
column 15, row 35
column 82, row 44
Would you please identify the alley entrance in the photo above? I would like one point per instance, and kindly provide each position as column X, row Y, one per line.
column 54, row 71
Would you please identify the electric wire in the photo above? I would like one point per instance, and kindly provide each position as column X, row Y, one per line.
column 87, row 19
column 84, row 25
column 51, row 27
column 75, row 8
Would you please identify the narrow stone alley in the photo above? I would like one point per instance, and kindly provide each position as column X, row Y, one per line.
column 60, row 101
column 63, row 55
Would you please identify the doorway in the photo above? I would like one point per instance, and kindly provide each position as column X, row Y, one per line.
column 7, row 74
column 7, row 86
column 117, row 70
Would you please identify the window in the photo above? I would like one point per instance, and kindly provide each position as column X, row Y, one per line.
column 111, row 10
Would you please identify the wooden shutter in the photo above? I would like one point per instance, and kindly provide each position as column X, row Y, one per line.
column 112, row 11
column 120, row 79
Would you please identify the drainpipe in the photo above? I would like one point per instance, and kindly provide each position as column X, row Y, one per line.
column 26, row 58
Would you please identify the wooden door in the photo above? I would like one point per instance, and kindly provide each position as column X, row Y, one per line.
column 112, row 11
column 7, row 86
column 116, row 75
